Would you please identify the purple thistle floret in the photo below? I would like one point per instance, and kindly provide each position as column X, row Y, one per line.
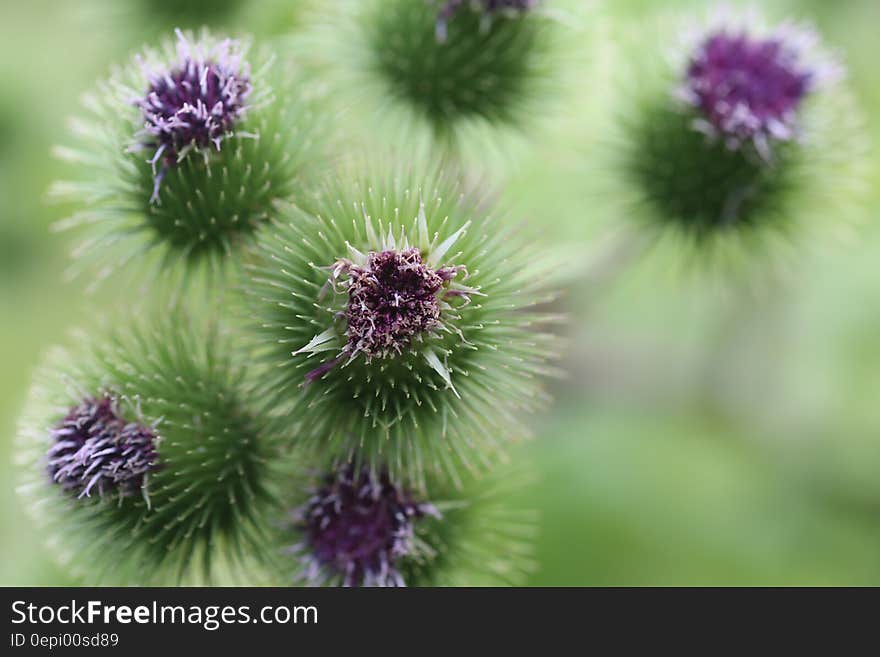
column 95, row 449
column 194, row 105
column 748, row 90
column 391, row 301
column 487, row 7
column 358, row 526
column 394, row 299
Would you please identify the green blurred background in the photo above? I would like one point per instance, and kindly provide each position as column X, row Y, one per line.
column 701, row 438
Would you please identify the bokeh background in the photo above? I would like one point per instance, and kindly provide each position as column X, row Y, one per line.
column 701, row 438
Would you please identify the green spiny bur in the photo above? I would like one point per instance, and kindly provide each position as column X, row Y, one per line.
column 192, row 198
column 201, row 509
column 480, row 69
column 388, row 67
column 734, row 187
column 437, row 399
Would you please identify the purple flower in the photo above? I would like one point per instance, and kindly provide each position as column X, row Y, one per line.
column 486, row 7
column 96, row 449
column 394, row 299
column 748, row 89
column 194, row 105
column 357, row 526
column 391, row 301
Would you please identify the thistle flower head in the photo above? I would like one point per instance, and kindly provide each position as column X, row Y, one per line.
column 478, row 69
column 455, row 75
column 195, row 104
column 738, row 140
column 356, row 526
column 185, row 153
column 398, row 324
column 392, row 300
column 181, row 508
column 748, row 89
column 95, row 449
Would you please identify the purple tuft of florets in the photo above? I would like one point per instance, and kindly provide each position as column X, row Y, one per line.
column 358, row 526
column 194, row 105
column 487, row 7
column 748, row 89
column 392, row 300
column 95, row 449
column 395, row 299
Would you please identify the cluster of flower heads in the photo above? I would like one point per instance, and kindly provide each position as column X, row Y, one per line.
column 193, row 105
column 487, row 7
column 747, row 88
column 401, row 301
column 398, row 299
column 357, row 526
column 94, row 449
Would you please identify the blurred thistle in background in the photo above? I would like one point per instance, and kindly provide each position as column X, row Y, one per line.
column 701, row 438
column 468, row 79
column 741, row 138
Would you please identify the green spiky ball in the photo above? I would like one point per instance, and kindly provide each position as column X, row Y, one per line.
column 480, row 71
column 210, row 199
column 200, row 514
column 453, row 396
column 387, row 65
column 702, row 188
column 722, row 200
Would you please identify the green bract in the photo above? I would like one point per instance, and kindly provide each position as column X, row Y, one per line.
column 208, row 199
column 200, row 512
column 435, row 399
